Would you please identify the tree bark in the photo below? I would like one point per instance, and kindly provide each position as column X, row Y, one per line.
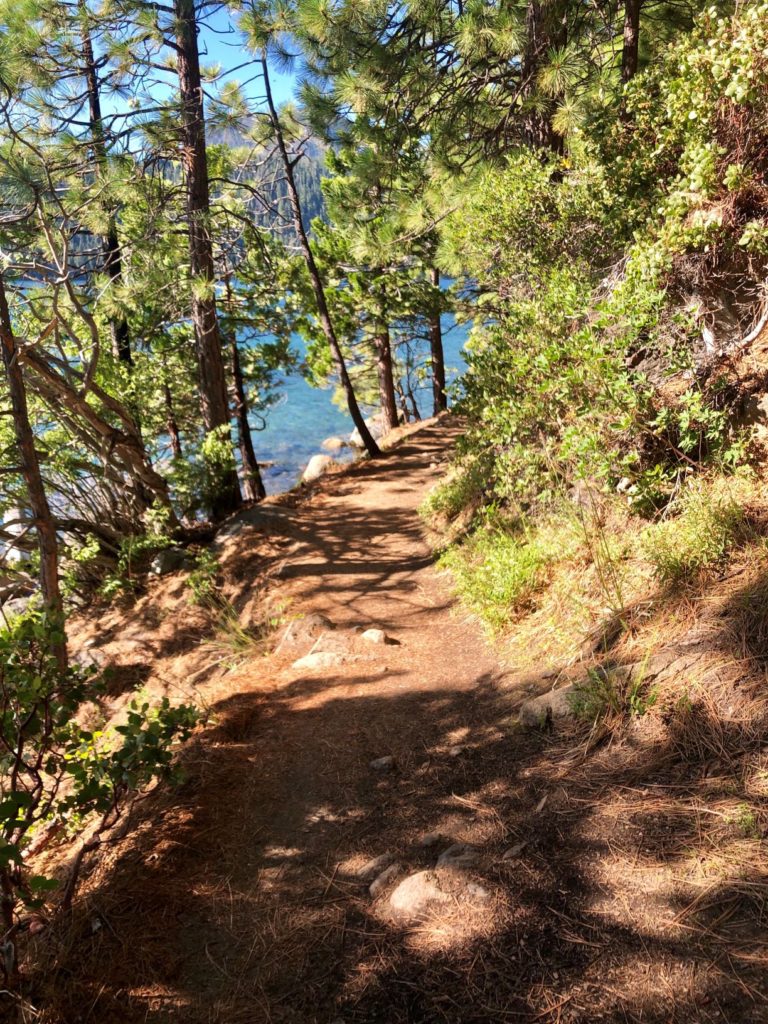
column 170, row 420
column 253, row 485
column 631, row 49
column 385, row 375
column 440, row 398
column 38, row 502
column 314, row 274
column 113, row 260
column 213, row 385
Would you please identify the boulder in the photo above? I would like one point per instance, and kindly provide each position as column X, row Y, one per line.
column 550, row 706
column 319, row 660
column 377, row 427
column 170, row 560
column 317, row 466
column 375, row 867
column 334, row 444
column 374, row 636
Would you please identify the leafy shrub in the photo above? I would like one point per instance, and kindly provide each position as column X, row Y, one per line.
column 706, row 525
column 53, row 770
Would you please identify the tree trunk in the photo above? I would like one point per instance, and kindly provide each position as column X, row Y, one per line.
column 213, row 385
column 113, row 261
column 385, row 374
column 631, row 49
column 314, row 274
column 440, row 398
column 170, row 420
column 38, row 502
column 253, row 485
column 545, row 25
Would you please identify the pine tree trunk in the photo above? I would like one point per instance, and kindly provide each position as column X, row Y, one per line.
column 113, row 262
column 440, row 398
column 385, row 374
column 38, row 502
column 253, row 485
column 213, row 386
column 631, row 50
column 170, row 421
column 314, row 275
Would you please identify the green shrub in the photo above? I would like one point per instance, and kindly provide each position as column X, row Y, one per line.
column 499, row 572
column 706, row 526
column 53, row 770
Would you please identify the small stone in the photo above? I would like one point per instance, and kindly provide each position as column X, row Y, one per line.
column 318, row 660
column 374, row 636
column 514, row 851
column 416, row 895
column 549, row 706
column 460, row 855
column 455, row 751
column 375, row 867
column 303, row 632
column 382, row 764
column 430, row 839
column 380, row 883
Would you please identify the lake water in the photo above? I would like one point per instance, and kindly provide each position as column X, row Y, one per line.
column 304, row 416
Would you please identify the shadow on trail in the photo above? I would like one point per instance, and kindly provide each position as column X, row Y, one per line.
column 229, row 903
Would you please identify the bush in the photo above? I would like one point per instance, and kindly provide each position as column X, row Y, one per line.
column 55, row 771
column 706, row 525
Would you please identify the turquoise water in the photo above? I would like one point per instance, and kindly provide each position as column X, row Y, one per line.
column 304, row 416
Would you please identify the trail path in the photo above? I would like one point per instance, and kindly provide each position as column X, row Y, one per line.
column 239, row 898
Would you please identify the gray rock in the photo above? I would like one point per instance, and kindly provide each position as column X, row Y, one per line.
column 382, row 764
column 375, row 867
column 374, row 636
column 456, row 751
column 460, row 855
column 317, row 466
column 319, row 660
column 90, row 658
column 169, row 560
column 377, row 426
column 15, row 607
column 334, row 444
column 556, row 704
column 430, row 839
column 379, row 884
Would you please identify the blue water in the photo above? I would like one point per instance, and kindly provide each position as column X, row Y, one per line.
column 304, row 416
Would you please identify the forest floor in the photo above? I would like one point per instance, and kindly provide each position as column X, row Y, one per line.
column 593, row 885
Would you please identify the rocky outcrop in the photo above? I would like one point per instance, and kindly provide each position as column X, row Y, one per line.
column 317, row 466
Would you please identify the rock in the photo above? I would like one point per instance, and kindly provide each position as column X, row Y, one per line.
column 556, row 704
column 456, row 751
column 303, row 632
column 169, row 560
column 380, row 883
column 430, row 839
column 514, row 851
column 334, row 444
column 382, row 764
column 317, row 466
column 460, row 855
column 15, row 607
column 318, row 660
column 90, row 658
column 374, row 636
column 377, row 427
column 417, row 895
column 375, row 867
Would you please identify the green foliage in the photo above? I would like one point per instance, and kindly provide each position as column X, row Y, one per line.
column 498, row 572
column 203, row 580
column 605, row 692
column 56, row 770
column 702, row 528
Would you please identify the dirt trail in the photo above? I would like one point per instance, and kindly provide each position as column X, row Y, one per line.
column 236, row 900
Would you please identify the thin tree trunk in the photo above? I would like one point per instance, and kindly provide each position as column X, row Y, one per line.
column 440, row 398
column 170, row 421
column 38, row 502
column 385, row 374
column 113, row 261
column 253, row 485
column 631, row 50
column 314, row 274
column 213, row 385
